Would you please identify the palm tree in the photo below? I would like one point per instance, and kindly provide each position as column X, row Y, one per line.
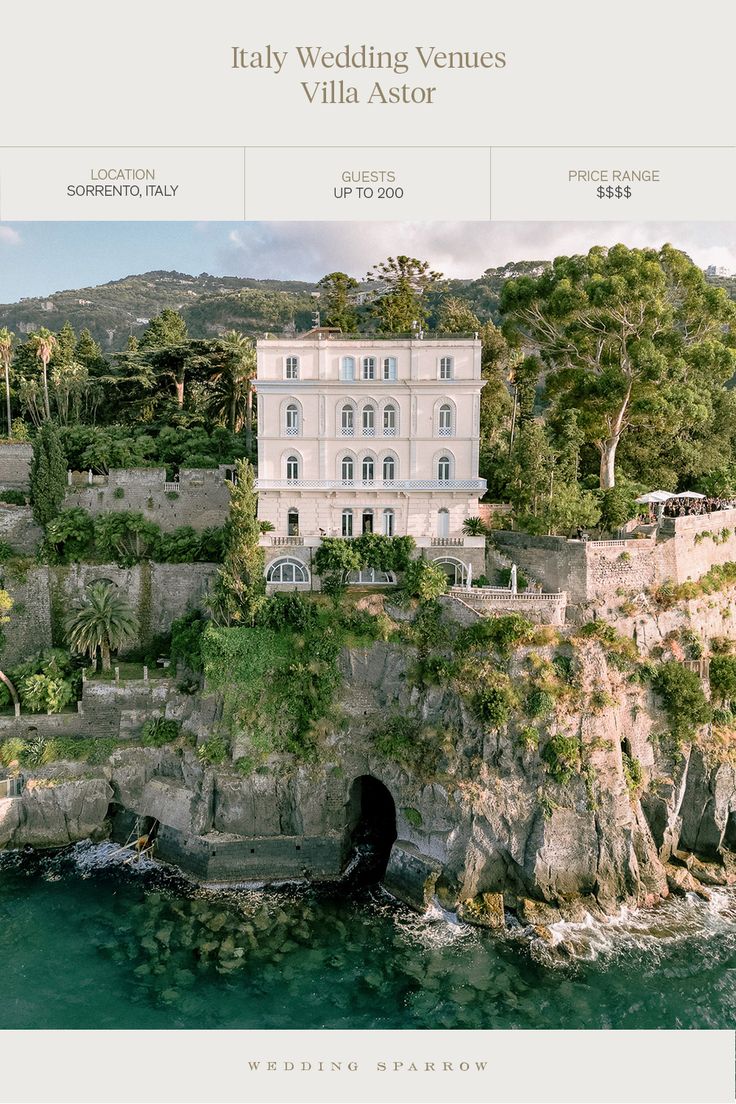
column 103, row 623
column 6, row 349
column 44, row 344
column 232, row 398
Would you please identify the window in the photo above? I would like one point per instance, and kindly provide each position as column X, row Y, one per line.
column 287, row 571
column 368, row 469
column 292, row 420
column 347, row 368
column 371, row 576
column 445, row 426
column 292, row 467
column 347, row 420
column 292, row 523
column 446, row 367
column 347, row 523
column 443, row 523
column 347, row 469
column 389, row 368
column 389, row 420
column 389, row 468
column 388, row 523
column 292, row 367
column 369, row 368
column 443, row 468
column 369, row 421
column 367, row 521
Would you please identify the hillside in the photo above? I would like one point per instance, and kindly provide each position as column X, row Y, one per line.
column 213, row 304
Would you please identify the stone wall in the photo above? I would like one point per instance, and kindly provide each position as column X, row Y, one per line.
column 200, row 498
column 598, row 571
column 18, row 528
column 159, row 594
column 542, row 609
column 15, row 465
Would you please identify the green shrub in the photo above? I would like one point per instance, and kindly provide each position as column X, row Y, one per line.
column 723, row 677
column 539, row 703
column 13, row 498
column 288, row 610
column 503, row 578
column 501, row 634
column 413, row 816
column 633, row 773
column 401, row 739
column 423, row 579
column 118, row 493
column 213, row 751
column 186, row 640
column 69, row 536
column 494, row 699
column 528, row 737
column 682, row 697
column 159, row 731
column 561, row 758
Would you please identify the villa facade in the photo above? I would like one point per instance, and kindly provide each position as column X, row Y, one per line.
column 358, row 434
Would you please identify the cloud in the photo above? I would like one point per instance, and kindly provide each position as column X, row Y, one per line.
column 307, row 250
column 9, row 236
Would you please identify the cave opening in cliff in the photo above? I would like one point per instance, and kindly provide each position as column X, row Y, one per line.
column 372, row 827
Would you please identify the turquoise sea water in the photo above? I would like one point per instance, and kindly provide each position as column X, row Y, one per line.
column 90, row 943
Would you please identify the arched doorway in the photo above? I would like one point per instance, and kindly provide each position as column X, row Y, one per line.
column 372, row 828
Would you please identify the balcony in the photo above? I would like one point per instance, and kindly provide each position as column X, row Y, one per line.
column 475, row 486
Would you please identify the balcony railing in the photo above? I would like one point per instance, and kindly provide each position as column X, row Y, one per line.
column 476, row 485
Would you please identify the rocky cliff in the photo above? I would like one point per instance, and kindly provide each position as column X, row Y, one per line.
column 538, row 777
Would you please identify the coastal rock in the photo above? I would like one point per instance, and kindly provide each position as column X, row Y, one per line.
column 53, row 815
column 484, row 911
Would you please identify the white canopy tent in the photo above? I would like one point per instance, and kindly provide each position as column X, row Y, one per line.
column 653, row 497
column 689, row 494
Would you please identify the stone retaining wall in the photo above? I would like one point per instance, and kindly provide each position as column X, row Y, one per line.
column 18, row 529
column 159, row 594
column 200, row 498
column 15, row 465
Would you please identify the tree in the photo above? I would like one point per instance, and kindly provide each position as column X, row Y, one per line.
column 167, row 332
column 339, row 310
column 48, row 474
column 629, row 337
column 6, row 355
column 240, row 587
column 44, row 343
column 403, row 280
column 232, row 394
column 6, row 605
column 525, row 376
column 102, row 624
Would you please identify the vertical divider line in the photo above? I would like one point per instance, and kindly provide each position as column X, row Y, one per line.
column 245, row 207
column 490, row 183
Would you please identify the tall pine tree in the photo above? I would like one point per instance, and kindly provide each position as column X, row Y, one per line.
column 48, row 474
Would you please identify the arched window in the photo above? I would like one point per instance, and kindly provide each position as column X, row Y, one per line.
column 347, row 523
column 389, row 368
column 369, row 368
column 347, row 420
column 455, row 570
column 389, row 468
column 292, row 420
column 292, row 522
column 292, row 367
column 389, row 420
column 388, row 523
column 369, row 421
column 292, row 467
column 446, row 367
column 347, row 368
column 444, row 468
column 287, row 571
column 445, row 420
column 368, row 469
column 347, row 469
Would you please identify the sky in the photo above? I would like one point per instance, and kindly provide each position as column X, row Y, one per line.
column 39, row 258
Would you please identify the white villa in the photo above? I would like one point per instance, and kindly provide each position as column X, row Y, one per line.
column 361, row 434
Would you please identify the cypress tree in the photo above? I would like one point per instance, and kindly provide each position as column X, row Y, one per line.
column 48, row 474
column 240, row 590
